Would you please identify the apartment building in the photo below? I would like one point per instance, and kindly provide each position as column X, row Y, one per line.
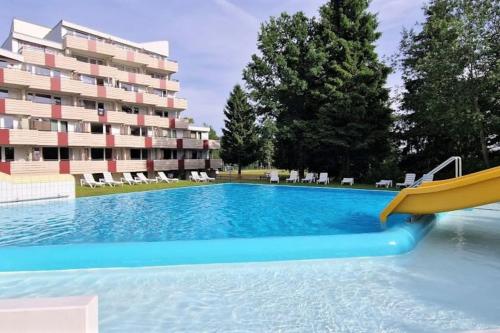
column 75, row 100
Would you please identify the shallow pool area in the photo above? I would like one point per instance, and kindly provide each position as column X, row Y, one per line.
column 448, row 283
column 199, row 225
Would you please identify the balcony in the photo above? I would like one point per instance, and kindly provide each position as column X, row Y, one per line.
column 191, row 164
column 89, row 46
column 22, row 78
column 192, row 144
column 160, row 165
column 79, row 167
column 162, row 142
column 86, row 140
column 131, row 165
column 129, row 141
column 34, row 167
column 119, row 54
column 32, row 137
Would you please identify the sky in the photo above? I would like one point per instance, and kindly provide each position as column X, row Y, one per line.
column 213, row 40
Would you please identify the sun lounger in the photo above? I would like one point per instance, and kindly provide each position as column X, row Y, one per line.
column 127, row 178
column 323, row 178
column 384, row 183
column 163, row 178
column 195, row 177
column 273, row 177
column 294, row 177
column 309, row 178
column 204, row 176
column 409, row 180
column 348, row 181
column 108, row 179
column 88, row 180
column 144, row 179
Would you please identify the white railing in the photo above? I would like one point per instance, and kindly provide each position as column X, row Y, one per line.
column 454, row 159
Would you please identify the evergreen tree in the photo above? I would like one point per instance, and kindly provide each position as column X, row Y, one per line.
column 322, row 82
column 354, row 118
column 267, row 132
column 239, row 143
column 451, row 73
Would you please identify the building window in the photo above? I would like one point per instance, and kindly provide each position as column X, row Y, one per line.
column 42, row 71
column 7, row 122
column 138, row 154
column 64, row 153
column 50, row 153
column 138, row 131
column 64, row 126
column 96, row 128
column 40, row 98
column 57, row 100
column 88, row 79
column 4, row 93
column 53, row 126
column 97, row 153
column 90, row 105
column 9, row 154
column 108, row 153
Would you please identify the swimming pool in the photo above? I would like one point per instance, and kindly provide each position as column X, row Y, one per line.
column 208, row 224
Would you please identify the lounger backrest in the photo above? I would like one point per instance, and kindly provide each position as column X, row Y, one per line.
column 108, row 177
column 347, row 180
column 410, row 178
column 427, row 177
column 128, row 176
column 195, row 175
column 274, row 174
column 141, row 176
column 162, row 175
column 294, row 174
column 323, row 176
column 203, row 174
column 309, row 175
column 88, row 178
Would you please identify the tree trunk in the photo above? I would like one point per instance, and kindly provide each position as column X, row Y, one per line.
column 239, row 170
column 482, row 136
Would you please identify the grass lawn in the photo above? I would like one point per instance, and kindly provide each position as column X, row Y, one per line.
column 85, row 191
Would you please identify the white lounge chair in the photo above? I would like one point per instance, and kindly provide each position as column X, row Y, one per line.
column 323, row 178
column 108, row 179
column 349, row 181
column 88, row 180
column 384, row 183
column 294, row 177
column 163, row 178
column 205, row 177
column 409, row 180
column 195, row 177
column 127, row 178
column 144, row 179
column 273, row 177
column 309, row 178
column 428, row 177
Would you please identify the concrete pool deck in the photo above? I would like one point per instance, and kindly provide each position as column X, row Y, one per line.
column 449, row 283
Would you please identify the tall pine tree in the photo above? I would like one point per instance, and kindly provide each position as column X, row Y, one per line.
column 239, row 143
column 324, row 85
column 354, row 118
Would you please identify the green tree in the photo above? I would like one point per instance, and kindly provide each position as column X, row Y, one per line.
column 354, row 118
column 239, row 143
column 267, row 132
column 280, row 80
column 451, row 73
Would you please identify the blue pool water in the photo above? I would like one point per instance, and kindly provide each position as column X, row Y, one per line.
column 208, row 224
column 196, row 213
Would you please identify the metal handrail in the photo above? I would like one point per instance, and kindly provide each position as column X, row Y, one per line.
column 454, row 159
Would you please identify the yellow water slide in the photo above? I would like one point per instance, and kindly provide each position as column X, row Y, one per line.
column 471, row 190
